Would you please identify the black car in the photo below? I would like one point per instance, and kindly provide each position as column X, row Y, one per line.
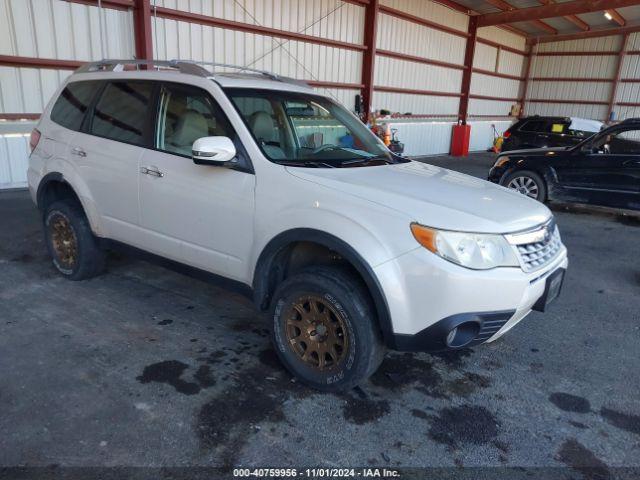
column 602, row 170
column 543, row 132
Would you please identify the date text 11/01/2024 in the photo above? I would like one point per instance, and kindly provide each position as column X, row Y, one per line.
column 316, row 472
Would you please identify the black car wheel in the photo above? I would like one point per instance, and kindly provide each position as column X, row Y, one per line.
column 73, row 248
column 527, row 183
column 324, row 329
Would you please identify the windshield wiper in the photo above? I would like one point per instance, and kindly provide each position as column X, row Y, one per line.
column 308, row 163
column 360, row 161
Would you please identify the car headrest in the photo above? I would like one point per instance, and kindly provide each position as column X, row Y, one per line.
column 261, row 124
column 191, row 126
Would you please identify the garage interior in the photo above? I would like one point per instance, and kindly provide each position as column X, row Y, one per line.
column 144, row 367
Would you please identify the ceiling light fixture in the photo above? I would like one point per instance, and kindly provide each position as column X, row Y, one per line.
column 608, row 16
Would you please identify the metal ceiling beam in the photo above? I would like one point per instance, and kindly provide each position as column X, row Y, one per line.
column 553, row 10
column 616, row 17
column 507, row 7
column 578, row 22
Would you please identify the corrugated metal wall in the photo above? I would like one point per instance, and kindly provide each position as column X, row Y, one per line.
column 500, row 61
column 59, row 30
column 590, row 67
column 630, row 92
column 331, row 19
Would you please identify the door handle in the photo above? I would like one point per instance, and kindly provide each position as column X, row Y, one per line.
column 79, row 152
column 153, row 171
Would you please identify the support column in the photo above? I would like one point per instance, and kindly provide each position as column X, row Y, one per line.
column 527, row 73
column 616, row 80
column 463, row 110
column 142, row 29
column 369, row 56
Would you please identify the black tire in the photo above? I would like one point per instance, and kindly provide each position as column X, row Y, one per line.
column 346, row 303
column 527, row 176
column 88, row 259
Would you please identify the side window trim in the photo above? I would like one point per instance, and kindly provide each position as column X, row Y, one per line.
column 85, row 126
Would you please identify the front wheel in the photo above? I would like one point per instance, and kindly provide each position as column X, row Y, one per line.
column 527, row 183
column 324, row 329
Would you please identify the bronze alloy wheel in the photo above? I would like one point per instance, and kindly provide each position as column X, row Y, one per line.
column 316, row 332
column 63, row 241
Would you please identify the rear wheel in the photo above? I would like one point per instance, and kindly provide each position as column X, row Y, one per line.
column 73, row 247
column 324, row 329
column 527, row 183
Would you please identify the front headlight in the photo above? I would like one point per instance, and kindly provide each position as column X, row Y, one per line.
column 479, row 251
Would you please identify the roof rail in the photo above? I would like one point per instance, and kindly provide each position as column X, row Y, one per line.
column 119, row 65
column 240, row 68
column 191, row 67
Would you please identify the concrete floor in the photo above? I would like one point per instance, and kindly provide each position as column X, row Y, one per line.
column 146, row 367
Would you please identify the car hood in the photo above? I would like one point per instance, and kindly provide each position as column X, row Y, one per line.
column 434, row 196
column 535, row 152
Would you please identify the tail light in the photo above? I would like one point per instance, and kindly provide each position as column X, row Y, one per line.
column 506, row 134
column 34, row 138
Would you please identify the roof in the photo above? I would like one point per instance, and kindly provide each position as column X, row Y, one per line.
column 561, row 19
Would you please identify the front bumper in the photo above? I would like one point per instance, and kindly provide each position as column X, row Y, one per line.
column 428, row 296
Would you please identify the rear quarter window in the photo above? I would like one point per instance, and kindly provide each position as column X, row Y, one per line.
column 72, row 104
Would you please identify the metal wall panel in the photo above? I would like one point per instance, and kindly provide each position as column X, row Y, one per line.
column 423, row 137
column 432, row 11
column 574, row 66
column 482, row 133
column 494, row 86
column 415, row 104
column 286, row 57
column 634, row 41
column 434, row 137
column 570, row 91
column 392, row 72
column 28, row 90
column 63, row 30
column 502, row 36
column 596, row 112
column 407, row 37
column 14, row 154
column 346, row 97
column 598, row 44
column 332, row 19
column 596, row 66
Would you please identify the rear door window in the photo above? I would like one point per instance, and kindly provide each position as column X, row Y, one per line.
column 73, row 103
column 535, row 126
column 122, row 112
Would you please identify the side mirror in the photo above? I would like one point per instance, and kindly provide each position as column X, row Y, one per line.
column 219, row 151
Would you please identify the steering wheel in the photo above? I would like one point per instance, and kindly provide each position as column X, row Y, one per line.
column 322, row 148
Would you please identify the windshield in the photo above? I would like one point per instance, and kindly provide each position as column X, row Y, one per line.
column 308, row 130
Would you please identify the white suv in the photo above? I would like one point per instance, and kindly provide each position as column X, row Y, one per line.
column 262, row 182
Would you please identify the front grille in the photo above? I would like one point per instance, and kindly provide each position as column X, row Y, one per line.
column 538, row 254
